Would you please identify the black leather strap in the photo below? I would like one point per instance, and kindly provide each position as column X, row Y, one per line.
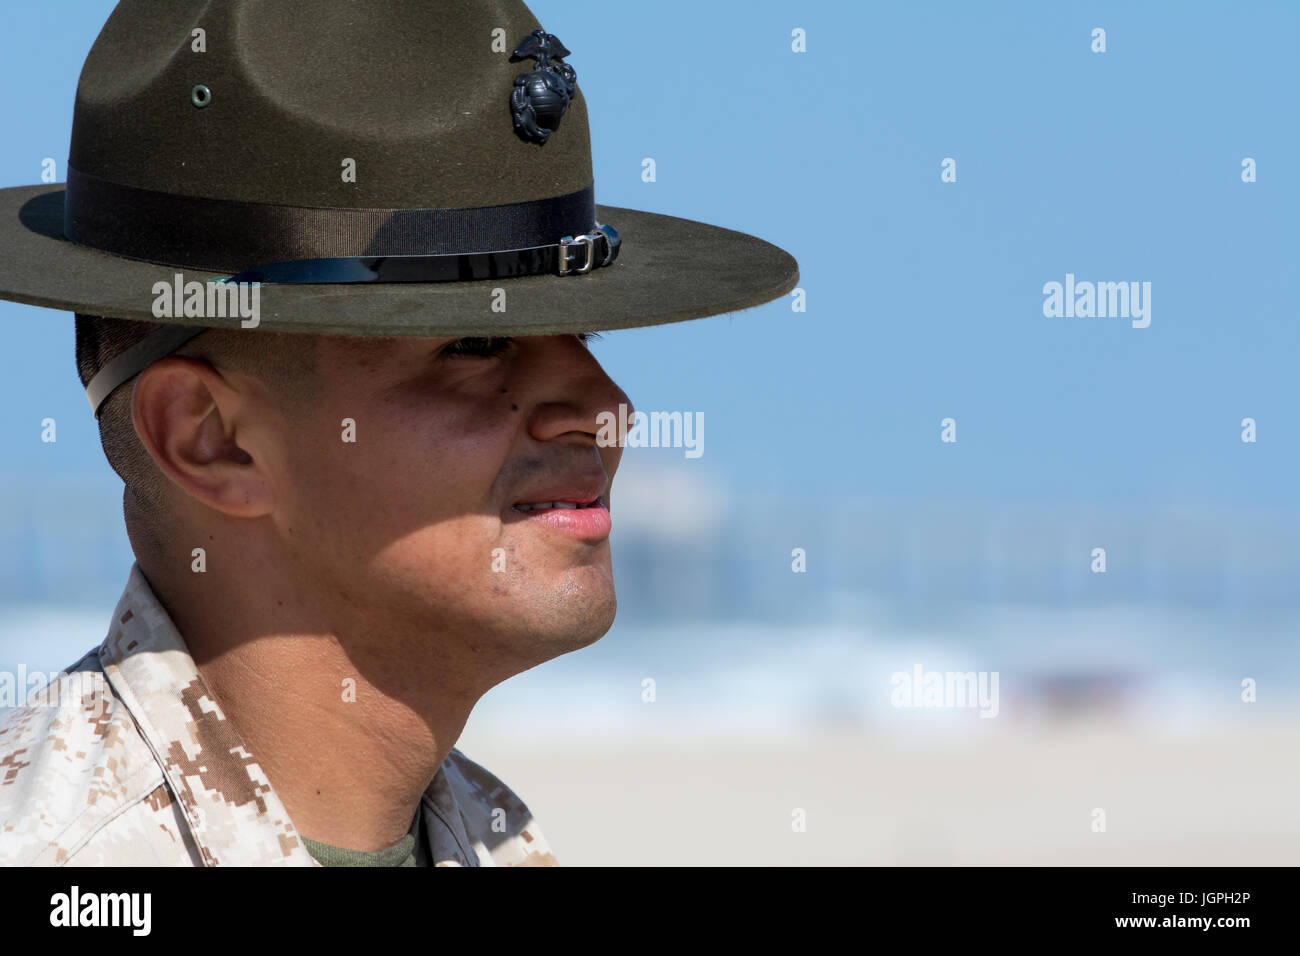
column 573, row 255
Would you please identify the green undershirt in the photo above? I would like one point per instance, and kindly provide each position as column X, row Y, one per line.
column 401, row 853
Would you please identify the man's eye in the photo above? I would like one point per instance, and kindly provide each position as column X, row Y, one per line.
column 477, row 347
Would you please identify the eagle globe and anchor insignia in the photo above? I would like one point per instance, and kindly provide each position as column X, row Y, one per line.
column 540, row 97
column 537, row 103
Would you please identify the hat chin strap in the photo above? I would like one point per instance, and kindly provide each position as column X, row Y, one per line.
column 136, row 359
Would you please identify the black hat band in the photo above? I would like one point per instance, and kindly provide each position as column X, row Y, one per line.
column 226, row 236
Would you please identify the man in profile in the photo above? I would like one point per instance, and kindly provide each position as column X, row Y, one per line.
column 357, row 510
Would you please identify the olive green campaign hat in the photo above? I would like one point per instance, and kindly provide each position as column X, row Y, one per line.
column 378, row 167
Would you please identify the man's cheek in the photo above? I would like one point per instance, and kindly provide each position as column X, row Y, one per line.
column 402, row 489
column 454, row 555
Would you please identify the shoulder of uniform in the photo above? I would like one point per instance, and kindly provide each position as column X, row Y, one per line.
column 496, row 818
column 70, row 758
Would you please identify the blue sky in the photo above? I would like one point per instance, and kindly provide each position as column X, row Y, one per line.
column 924, row 298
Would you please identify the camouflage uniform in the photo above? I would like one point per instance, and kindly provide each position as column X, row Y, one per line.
column 126, row 759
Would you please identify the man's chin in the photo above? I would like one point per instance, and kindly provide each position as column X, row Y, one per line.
column 584, row 621
column 576, row 613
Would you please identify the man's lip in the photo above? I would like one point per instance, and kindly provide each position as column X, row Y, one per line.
column 591, row 522
column 579, row 502
column 582, row 492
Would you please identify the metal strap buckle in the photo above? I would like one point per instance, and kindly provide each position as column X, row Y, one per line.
column 569, row 242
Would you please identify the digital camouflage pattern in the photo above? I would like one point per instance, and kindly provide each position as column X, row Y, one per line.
column 125, row 759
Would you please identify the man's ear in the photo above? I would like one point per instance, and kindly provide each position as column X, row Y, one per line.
column 185, row 413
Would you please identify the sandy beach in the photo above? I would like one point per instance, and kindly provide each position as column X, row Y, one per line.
column 1225, row 798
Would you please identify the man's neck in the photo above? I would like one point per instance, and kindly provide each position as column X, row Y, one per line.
column 349, row 728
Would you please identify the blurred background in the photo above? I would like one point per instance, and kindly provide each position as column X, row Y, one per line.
column 772, row 695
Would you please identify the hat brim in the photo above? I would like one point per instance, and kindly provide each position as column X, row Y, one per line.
column 668, row 270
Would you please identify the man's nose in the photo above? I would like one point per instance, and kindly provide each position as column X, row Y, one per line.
column 581, row 402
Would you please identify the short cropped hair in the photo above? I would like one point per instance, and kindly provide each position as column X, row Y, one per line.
column 285, row 362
